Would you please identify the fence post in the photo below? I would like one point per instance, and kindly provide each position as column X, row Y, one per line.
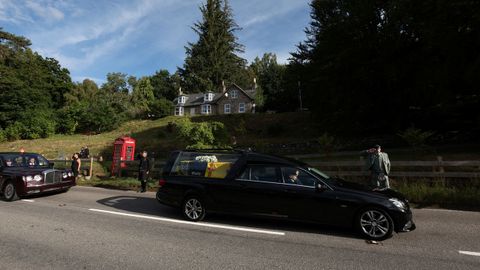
column 441, row 169
column 91, row 167
column 119, row 168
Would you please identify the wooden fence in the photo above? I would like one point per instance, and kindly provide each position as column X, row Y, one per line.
column 407, row 169
column 439, row 168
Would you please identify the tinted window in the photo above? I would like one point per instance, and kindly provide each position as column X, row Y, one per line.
column 24, row 160
column 297, row 177
column 245, row 175
column 211, row 165
column 264, row 174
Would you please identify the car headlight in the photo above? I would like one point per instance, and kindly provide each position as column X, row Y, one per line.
column 70, row 174
column 37, row 177
column 64, row 175
column 28, row 178
column 398, row 203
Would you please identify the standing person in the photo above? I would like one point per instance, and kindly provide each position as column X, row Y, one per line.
column 143, row 170
column 76, row 163
column 378, row 164
column 87, row 152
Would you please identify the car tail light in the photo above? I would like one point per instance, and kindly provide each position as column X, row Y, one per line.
column 161, row 182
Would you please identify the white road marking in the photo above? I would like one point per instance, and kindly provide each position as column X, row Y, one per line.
column 25, row 200
column 469, row 253
column 209, row 225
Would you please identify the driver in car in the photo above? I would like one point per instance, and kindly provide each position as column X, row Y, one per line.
column 31, row 162
column 294, row 177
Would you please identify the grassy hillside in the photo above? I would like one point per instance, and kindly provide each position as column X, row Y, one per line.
column 153, row 135
column 282, row 133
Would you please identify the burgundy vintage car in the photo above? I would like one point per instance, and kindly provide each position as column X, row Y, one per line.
column 23, row 174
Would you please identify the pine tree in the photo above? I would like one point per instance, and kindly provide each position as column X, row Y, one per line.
column 213, row 58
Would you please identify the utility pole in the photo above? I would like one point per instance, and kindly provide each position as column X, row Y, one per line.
column 300, row 95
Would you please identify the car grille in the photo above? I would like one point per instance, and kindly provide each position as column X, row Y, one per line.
column 53, row 177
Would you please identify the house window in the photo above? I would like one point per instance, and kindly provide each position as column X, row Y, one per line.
column 241, row 107
column 234, row 93
column 208, row 97
column 182, row 100
column 179, row 111
column 227, row 108
column 206, row 109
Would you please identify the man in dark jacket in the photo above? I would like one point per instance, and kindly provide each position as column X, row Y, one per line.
column 143, row 170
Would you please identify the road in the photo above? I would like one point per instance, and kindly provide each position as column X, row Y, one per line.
column 92, row 228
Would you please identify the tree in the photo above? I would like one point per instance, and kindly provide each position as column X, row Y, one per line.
column 142, row 96
column 213, row 58
column 164, row 85
column 399, row 62
column 270, row 76
column 32, row 89
column 91, row 110
column 116, row 83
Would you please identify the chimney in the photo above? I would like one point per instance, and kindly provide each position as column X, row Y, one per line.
column 224, row 88
column 254, row 83
column 180, row 91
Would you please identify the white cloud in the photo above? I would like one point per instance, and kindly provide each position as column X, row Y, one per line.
column 97, row 35
column 45, row 10
column 13, row 13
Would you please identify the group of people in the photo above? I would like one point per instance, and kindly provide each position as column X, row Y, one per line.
column 377, row 162
column 77, row 160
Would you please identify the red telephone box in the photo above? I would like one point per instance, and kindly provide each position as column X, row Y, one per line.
column 123, row 149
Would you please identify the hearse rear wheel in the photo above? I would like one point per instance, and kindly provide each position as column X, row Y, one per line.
column 193, row 208
column 10, row 192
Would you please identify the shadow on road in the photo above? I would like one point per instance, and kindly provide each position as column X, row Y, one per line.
column 150, row 206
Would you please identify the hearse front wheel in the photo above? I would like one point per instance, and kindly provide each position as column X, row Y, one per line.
column 10, row 192
column 193, row 208
column 374, row 224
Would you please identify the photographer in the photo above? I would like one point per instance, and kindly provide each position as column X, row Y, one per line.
column 379, row 164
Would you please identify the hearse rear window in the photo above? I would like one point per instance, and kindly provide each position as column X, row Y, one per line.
column 210, row 165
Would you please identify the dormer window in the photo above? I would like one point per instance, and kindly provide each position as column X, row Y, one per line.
column 234, row 93
column 182, row 99
column 208, row 96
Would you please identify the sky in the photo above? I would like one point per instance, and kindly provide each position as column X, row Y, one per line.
column 138, row 37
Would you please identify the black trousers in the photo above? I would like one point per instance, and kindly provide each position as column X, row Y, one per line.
column 142, row 177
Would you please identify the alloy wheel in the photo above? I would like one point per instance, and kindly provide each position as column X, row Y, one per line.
column 193, row 209
column 375, row 224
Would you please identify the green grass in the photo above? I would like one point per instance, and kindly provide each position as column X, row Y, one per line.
column 153, row 135
column 118, row 183
column 423, row 194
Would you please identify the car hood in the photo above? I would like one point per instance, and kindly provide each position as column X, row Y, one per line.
column 24, row 170
column 359, row 188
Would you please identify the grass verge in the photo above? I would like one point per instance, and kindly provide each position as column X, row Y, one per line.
column 438, row 195
column 118, row 183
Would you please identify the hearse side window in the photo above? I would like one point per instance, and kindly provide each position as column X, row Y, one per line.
column 246, row 174
column 297, row 177
column 265, row 174
column 209, row 165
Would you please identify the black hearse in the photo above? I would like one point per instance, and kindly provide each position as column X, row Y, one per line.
column 244, row 182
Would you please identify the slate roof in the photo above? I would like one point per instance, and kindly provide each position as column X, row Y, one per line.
column 198, row 99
